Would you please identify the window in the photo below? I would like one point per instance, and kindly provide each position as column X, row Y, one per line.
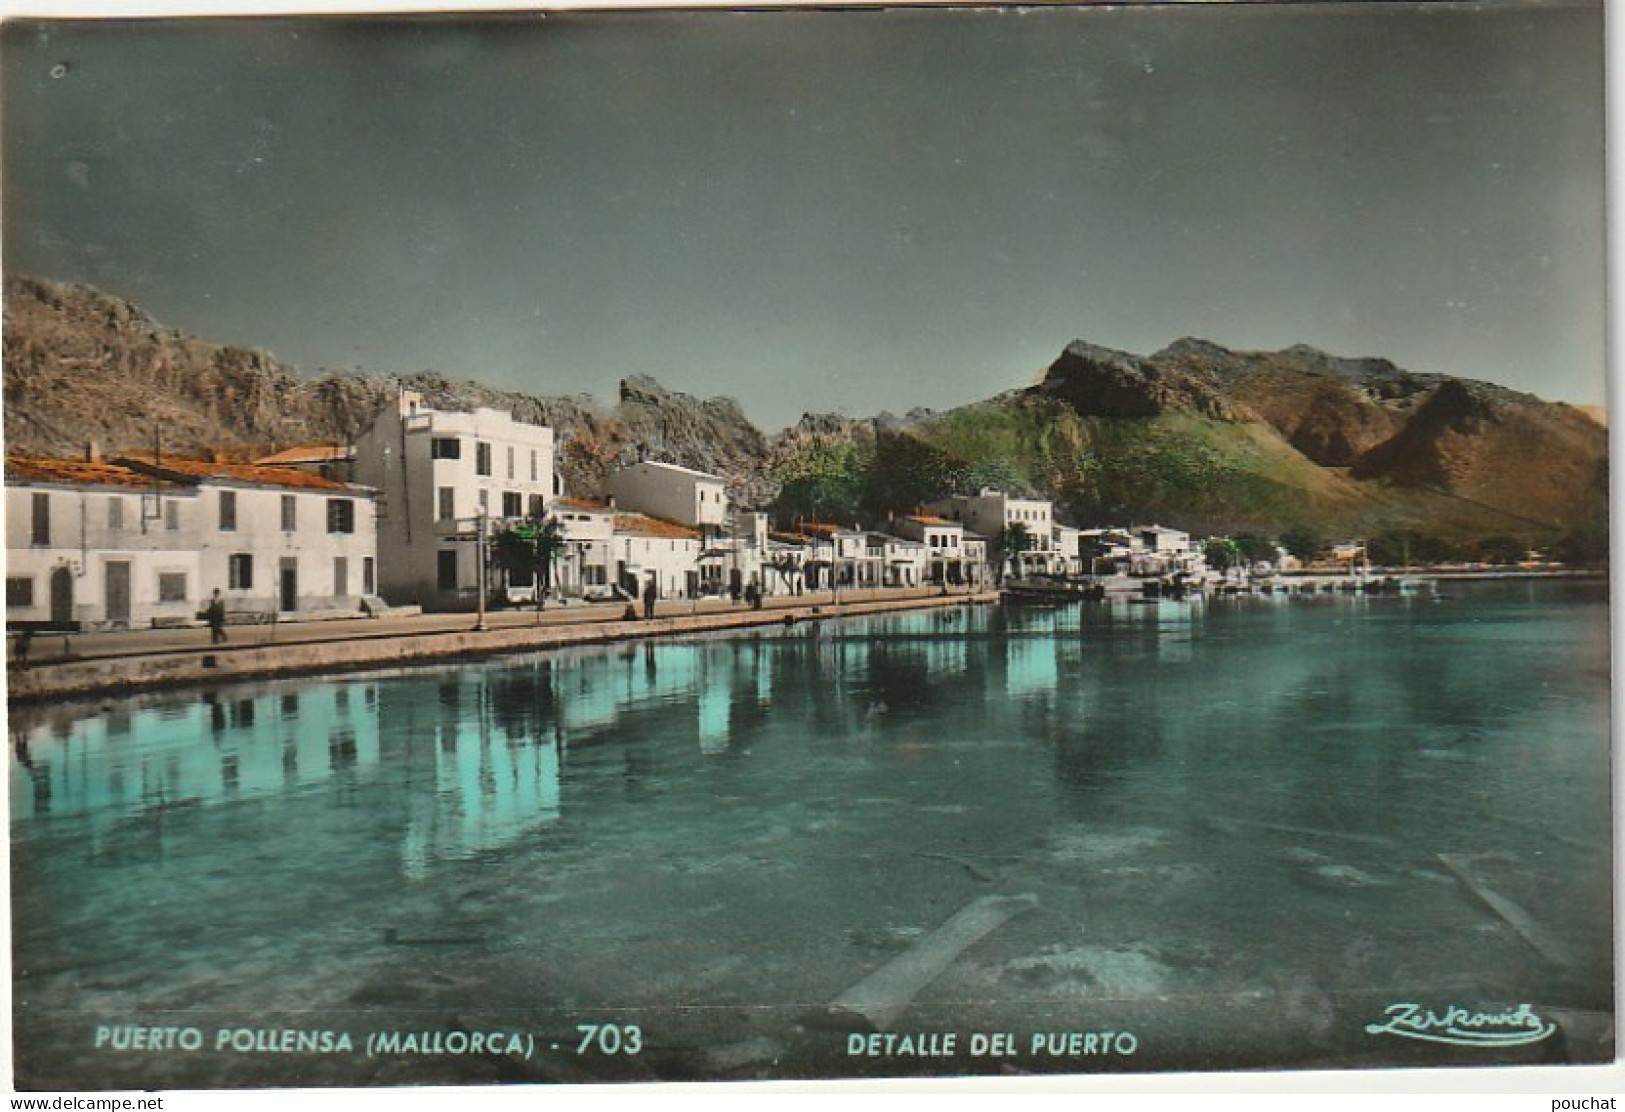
column 228, row 511
column 513, row 504
column 341, row 576
column 537, row 508
column 19, row 591
column 341, row 515
column 510, row 461
column 42, row 519
column 533, row 465
column 445, row 447
column 447, row 504
column 367, row 585
column 485, row 501
column 115, row 513
column 482, row 458
column 240, row 571
column 172, row 586
column 447, row 569
column 290, row 512
column 172, row 515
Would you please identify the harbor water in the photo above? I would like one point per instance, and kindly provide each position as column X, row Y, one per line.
column 1237, row 831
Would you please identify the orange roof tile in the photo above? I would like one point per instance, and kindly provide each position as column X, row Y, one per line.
column 308, row 453
column 581, row 504
column 926, row 519
column 641, row 525
column 78, row 472
column 199, row 469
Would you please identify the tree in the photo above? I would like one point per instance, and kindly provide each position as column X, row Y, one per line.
column 1222, row 553
column 1302, row 543
column 534, row 547
column 1255, row 549
column 1013, row 540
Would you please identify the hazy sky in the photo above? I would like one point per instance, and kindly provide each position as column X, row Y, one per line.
column 829, row 210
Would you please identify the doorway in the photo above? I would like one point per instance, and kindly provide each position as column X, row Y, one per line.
column 289, row 580
column 117, row 592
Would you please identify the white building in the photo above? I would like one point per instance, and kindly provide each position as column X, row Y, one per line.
column 439, row 474
column 991, row 512
column 944, row 542
column 589, row 536
column 1066, row 549
column 1164, row 551
column 672, row 493
column 95, row 545
column 275, row 540
column 645, row 548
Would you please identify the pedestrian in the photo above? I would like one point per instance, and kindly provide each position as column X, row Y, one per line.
column 25, row 642
column 215, row 615
column 649, row 596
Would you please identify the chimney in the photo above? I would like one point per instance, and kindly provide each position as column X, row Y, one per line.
column 93, row 452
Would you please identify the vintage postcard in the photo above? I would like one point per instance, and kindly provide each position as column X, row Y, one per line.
column 794, row 544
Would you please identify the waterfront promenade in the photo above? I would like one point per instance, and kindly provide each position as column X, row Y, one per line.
column 128, row 660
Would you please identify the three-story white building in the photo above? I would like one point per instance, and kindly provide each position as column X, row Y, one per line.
column 441, row 475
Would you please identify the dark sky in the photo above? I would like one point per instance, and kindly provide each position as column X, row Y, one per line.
column 829, row 210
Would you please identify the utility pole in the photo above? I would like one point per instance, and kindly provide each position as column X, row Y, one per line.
column 479, row 568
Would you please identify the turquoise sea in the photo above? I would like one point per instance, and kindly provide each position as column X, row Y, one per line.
column 1239, row 831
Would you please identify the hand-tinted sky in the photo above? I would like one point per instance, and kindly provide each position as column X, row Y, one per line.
column 829, row 210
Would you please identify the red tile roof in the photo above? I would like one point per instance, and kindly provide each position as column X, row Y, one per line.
column 581, row 504
column 641, row 525
column 198, row 470
column 926, row 519
column 308, row 453
column 77, row 472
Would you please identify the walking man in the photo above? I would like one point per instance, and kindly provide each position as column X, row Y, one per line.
column 215, row 615
column 649, row 595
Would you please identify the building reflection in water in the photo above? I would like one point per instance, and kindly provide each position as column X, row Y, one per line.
column 122, row 762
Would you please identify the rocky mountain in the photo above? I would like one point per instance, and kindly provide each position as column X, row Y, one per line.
column 1194, row 435
column 83, row 367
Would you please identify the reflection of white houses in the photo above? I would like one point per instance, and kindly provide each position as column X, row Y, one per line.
column 274, row 539
column 672, row 493
column 439, row 474
column 94, row 544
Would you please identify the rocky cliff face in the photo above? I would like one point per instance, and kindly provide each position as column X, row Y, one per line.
column 1100, row 382
column 1194, row 435
column 1531, row 458
column 84, row 367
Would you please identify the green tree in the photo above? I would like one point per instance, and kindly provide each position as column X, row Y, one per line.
column 1302, row 543
column 1222, row 553
column 1254, row 548
column 533, row 547
column 1013, row 540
